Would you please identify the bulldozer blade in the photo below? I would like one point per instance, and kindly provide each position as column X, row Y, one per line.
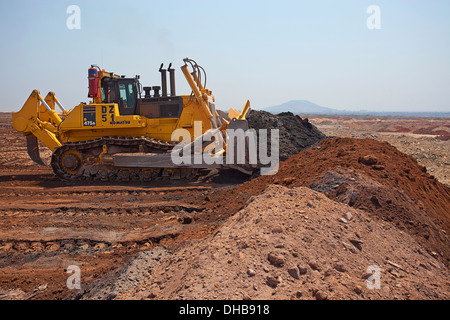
column 33, row 150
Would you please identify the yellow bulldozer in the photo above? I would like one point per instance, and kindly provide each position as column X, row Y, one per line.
column 129, row 132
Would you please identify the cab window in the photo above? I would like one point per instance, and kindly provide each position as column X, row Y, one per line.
column 108, row 92
column 121, row 92
column 127, row 95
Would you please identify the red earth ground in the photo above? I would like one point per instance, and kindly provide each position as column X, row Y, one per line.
column 48, row 225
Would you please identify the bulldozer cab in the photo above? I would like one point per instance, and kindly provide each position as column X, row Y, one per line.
column 122, row 91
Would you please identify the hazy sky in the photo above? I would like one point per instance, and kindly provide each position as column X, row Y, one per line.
column 268, row 52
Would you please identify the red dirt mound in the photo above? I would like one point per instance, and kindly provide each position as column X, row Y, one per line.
column 441, row 133
column 366, row 174
column 443, row 138
column 428, row 130
column 375, row 159
column 287, row 244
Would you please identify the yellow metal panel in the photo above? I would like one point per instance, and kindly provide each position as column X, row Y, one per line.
column 233, row 113
column 187, row 119
column 244, row 110
column 73, row 119
column 46, row 137
column 192, row 112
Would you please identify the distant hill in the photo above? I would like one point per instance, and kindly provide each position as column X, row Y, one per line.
column 308, row 107
column 301, row 106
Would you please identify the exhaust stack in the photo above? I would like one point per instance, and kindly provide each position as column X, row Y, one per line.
column 163, row 80
column 172, row 81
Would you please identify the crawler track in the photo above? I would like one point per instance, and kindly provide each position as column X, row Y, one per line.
column 83, row 160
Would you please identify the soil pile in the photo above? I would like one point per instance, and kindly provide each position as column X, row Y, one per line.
column 377, row 160
column 296, row 134
column 365, row 174
column 430, row 151
column 293, row 244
